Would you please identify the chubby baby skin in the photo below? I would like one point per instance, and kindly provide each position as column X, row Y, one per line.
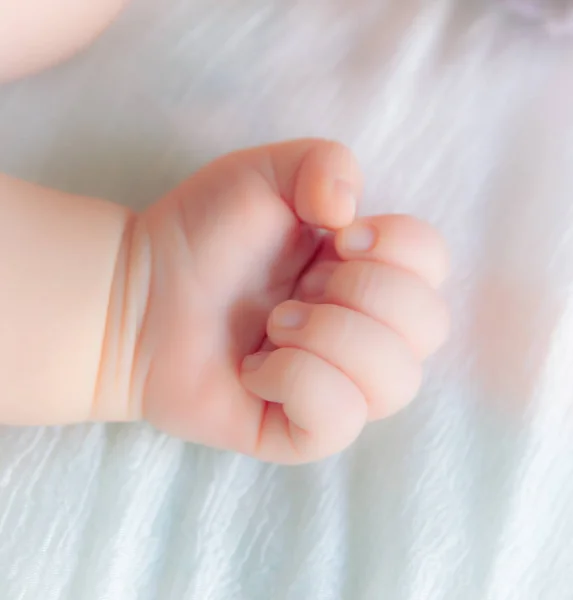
column 248, row 310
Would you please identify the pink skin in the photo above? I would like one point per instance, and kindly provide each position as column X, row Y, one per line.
column 330, row 331
column 36, row 34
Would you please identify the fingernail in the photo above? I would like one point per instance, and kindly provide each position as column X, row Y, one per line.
column 254, row 361
column 359, row 238
column 315, row 282
column 290, row 316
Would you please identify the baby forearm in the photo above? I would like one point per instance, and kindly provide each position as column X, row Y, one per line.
column 69, row 306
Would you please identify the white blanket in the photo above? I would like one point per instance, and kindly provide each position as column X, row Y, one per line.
column 459, row 114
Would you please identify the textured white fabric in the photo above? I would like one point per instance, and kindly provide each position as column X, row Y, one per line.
column 458, row 114
column 555, row 15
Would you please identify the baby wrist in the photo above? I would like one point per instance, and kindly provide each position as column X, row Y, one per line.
column 123, row 368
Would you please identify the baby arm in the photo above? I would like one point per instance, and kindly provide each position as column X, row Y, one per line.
column 36, row 34
column 222, row 314
column 68, row 309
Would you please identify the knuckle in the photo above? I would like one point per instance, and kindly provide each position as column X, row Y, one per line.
column 436, row 321
column 408, row 380
column 355, row 283
column 293, row 371
column 332, row 326
column 395, row 389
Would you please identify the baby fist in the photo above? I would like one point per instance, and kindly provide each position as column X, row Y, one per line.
column 350, row 348
column 263, row 335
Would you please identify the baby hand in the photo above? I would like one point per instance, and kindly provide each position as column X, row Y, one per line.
column 264, row 336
